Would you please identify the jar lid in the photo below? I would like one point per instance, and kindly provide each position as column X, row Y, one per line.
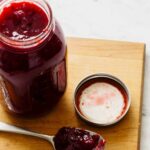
column 102, row 99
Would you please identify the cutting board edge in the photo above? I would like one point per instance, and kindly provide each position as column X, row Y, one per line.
column 142, row 94
column 106, row 40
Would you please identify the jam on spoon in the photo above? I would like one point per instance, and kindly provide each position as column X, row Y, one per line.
column 66, row 138
column 77, row 139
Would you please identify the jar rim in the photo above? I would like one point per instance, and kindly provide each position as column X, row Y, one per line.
column 35, row 40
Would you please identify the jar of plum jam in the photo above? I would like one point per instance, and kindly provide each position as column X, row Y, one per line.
column 32, row 57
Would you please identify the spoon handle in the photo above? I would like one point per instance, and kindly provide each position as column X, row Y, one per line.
column 13, row 129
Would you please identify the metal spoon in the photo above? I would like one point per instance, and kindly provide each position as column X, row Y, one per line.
column 4, row 127
column 13, row 129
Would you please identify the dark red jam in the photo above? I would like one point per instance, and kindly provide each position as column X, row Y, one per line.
column 33, row 76
column 22, row 20
column 77, row 139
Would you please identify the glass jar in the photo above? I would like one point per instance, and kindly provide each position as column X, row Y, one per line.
column 33, row 70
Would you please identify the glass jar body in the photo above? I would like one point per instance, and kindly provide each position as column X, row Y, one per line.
column 34, row 80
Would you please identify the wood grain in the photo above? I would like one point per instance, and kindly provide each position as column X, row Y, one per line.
column 85, row 57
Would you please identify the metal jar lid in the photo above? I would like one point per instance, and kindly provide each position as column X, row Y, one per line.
column 102, row 77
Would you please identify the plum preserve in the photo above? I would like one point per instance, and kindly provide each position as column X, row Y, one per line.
column 32, row 57
column 77, row 139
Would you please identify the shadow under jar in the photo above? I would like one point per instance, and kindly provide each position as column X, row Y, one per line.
column 32, row 57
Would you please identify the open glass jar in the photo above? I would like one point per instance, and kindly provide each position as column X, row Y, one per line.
column 32, row 57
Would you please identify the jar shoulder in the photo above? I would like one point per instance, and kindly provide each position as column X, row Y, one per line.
column 49, row 54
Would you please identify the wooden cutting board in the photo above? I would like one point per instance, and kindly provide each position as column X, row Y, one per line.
column 85, row 57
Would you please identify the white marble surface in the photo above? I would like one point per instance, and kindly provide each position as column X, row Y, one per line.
column 127, row 20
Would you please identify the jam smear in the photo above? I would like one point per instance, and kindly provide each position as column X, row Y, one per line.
column 77, row 139
column 22, row 20
column 100, row 100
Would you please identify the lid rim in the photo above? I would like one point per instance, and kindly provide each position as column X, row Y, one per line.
column 107, row 76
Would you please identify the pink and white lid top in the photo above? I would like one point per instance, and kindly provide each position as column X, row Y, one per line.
column 103, row 100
